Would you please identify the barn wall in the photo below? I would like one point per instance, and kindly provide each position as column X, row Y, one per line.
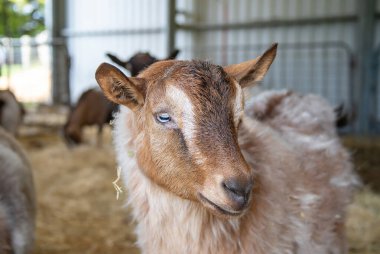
column 318, row 39
column 312, row 57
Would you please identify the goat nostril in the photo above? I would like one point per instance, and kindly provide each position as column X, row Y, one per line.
column 238, row 189
column 232, row 188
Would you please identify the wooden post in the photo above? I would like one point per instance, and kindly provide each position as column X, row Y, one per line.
column 171, row 29
column 60, row 58
column 365, row 100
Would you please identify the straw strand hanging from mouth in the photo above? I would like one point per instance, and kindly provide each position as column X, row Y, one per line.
column 117, row 187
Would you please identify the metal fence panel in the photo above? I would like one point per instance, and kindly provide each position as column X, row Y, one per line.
column 25, row 68
column 226, row 32
column 122, row 27
column 316, row 41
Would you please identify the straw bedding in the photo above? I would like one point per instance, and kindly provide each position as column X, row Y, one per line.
column 78, row 211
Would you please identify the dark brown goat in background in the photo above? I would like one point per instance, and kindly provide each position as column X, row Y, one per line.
column 94, row 109
column 139, row 61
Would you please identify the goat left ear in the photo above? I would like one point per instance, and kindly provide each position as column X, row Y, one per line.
column 128, row 66
column 119, row 88
column 172, row 55
column 250, row 72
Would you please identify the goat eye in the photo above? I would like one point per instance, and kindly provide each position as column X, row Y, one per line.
column 163, row 118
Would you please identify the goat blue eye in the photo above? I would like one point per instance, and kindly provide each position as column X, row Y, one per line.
column 163, row 118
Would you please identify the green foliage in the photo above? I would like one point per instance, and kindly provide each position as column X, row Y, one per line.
column 20, row 17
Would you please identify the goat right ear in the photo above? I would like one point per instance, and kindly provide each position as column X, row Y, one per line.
column 252, row 71
column 173, row 55
column 119, row 88
column 115, row 59
column 128, row 66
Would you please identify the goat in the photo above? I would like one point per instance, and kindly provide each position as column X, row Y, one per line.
column 284, row 109
column 204, row 178
column 139, row 61
column 93, row 108
column 11, row 112
column 17, row 198
column 286, row 106
column 344, row 115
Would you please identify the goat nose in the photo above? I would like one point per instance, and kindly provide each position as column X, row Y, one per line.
column 238, row 190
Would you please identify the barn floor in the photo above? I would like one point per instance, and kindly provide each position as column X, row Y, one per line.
column 78, row 211
column 77, row 207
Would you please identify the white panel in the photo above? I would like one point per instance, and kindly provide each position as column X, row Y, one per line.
column 116, row 14
column 314, row 68
column 305, row 8
column 266, row 11
column 256, row 9
column 324, row 71
column 88, row 56
column 291, row 9
column 87, row 52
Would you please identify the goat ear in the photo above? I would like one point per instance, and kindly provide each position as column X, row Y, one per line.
column 173, row 54
column 253, row 71
column 119, row 88
column 115, row 59
column 128, row 66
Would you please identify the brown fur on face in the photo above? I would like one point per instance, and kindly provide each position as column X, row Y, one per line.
column 197, row 154
column 213, row 123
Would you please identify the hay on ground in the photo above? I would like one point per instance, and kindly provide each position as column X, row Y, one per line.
column 78, row 211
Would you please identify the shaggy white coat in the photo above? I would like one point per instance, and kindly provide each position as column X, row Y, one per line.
column 303, row 183
column 17, row 198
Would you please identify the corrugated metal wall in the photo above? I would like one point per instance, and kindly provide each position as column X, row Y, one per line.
column 318, row 39
column 122, row 27
column 313, row 57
